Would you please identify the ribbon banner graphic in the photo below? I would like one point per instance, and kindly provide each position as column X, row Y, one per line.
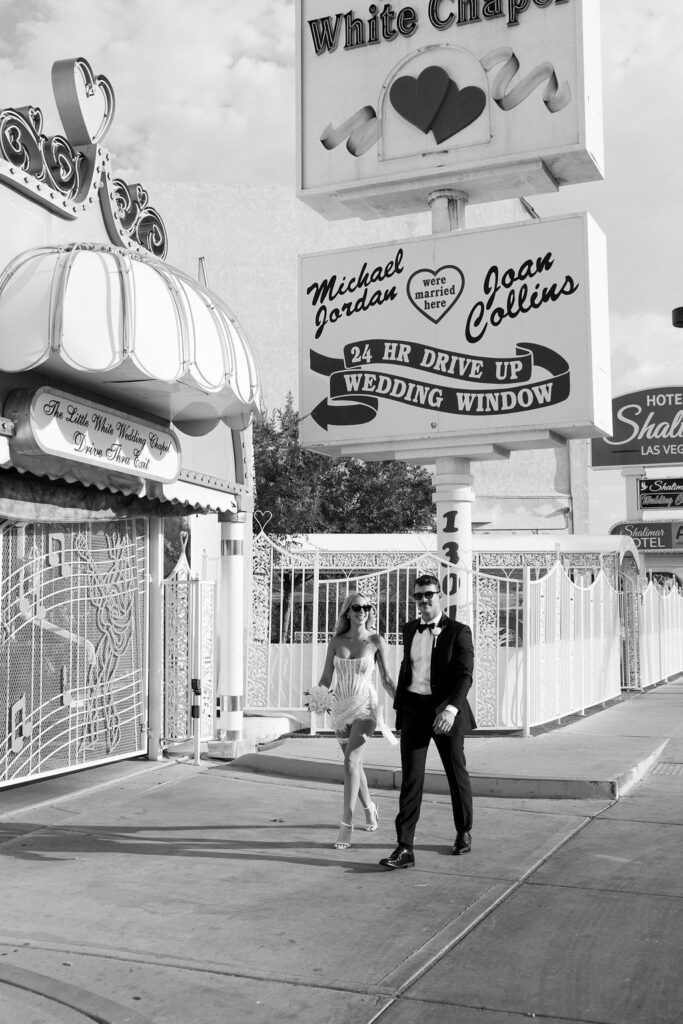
column 434, row 102
column 355, row 388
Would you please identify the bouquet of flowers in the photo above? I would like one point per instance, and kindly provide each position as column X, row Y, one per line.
column 318, row 700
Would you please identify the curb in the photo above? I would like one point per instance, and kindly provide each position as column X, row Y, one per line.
column 90, row 1005
column 510, row 786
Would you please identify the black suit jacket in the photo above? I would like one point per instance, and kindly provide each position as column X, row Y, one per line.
column 451, row 671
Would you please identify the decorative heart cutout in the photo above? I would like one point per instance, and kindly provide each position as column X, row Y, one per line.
column 418, row 99
column 262, row 519
column 35, row 117
column 459, row 109
column 85, row 102
column 435, row 292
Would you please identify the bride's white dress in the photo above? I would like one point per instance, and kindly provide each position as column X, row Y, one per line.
column 355, row 696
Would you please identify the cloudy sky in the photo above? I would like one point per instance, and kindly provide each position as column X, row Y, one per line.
column 205, row 92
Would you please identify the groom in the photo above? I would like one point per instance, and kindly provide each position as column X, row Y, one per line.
column 431, row 704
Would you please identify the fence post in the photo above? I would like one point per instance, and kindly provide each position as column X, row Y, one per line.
column 314, row 634
column 526, row 653
column 195, row 695
column 661, row 617
column 155, row 671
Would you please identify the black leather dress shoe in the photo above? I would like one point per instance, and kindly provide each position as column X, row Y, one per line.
column 402, row 857
column 462, row 844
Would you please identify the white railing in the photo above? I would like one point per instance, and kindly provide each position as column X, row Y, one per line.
column 572, row 646
column 549, row 641
column 545, row 647
column 661, row 634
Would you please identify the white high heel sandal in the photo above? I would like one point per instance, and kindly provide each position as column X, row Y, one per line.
column 343, row 844
column 373, row 824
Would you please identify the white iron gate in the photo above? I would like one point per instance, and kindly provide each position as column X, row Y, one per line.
column 73, row 635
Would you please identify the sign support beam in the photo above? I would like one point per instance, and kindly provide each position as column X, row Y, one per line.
column 448, row 210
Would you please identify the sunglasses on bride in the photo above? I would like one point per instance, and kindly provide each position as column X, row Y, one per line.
column 361, row 607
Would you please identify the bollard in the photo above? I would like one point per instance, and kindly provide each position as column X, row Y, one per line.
column 196, row 715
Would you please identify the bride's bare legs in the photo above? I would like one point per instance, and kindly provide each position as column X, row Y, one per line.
column 355, row 782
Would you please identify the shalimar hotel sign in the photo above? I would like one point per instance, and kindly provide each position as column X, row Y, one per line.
column 648, row 430
column 666, row 536
column 497, row 98
column 64, row 426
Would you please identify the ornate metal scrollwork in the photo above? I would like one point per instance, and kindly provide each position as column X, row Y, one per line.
column 129, row 216
column 65, row 173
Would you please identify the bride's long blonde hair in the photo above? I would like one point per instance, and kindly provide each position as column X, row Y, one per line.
column 344, row 621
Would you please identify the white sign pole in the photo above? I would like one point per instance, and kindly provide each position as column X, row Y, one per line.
column 453, row 491
column 231, row 678
column 453, row 498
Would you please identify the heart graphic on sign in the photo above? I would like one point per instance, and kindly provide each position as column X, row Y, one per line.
column 433, row 102
column 418, row 99
column 435, row 292
column 460, row 108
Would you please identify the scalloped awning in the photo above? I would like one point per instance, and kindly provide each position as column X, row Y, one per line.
column 130, row 327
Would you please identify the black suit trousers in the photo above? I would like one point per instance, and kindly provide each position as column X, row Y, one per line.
column 418, row 715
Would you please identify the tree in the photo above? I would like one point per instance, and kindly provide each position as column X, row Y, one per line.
column 310, row 493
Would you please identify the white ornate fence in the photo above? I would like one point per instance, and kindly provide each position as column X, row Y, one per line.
column 548, row 639
column 571, row 655
column 661, row 634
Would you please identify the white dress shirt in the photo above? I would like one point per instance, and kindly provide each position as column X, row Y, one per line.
column 421, row 660
column 421, row 663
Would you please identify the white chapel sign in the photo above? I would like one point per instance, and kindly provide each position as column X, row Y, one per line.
column 490, row 336
column 498, row 98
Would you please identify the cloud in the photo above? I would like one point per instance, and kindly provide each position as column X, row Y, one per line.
column 646, row 351
column 204, row 91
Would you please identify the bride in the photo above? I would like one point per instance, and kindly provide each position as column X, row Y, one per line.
column 352, row 654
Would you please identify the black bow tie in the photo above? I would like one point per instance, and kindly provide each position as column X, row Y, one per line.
column 425, row 625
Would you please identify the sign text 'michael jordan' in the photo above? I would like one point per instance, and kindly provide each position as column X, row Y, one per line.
column 383, row 23
column 507, row 292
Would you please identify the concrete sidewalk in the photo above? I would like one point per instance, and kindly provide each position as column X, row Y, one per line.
column 600, row 756
column 168, row 892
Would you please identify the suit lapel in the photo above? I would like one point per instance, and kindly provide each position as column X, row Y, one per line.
column 411, row 630
column 442, row 624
